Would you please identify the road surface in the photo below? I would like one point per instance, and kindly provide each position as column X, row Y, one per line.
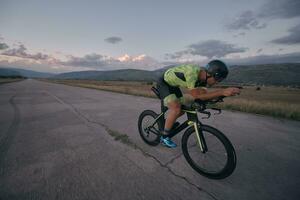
column 59, row 142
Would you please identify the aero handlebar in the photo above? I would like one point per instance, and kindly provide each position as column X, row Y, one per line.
column 200, row 106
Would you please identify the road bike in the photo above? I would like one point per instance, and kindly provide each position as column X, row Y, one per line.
column 206, row 149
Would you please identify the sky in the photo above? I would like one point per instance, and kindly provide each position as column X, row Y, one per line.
column 61, row 36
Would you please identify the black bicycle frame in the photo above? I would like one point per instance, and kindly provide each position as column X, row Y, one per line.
column 192, row 119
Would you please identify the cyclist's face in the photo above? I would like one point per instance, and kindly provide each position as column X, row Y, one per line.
column 211, row 81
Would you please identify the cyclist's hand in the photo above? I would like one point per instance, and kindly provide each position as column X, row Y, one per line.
column 231, row 91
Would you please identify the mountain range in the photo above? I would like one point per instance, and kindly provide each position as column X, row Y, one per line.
column 5, row 71
column 268, row 74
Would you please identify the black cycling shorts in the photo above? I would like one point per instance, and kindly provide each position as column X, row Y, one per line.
column 167, row 92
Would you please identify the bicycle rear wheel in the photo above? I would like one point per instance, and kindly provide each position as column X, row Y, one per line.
column 148, row 128
column 220, row 159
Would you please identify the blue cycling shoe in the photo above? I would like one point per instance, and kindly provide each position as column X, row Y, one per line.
column 167, row 142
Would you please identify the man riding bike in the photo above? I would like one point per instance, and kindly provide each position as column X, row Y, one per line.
column 194, row 78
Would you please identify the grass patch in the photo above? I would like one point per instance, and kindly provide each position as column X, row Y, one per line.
column 121, row 137
column 272, row 101
column 275, row 109
column 132, row 88
column 9, row 80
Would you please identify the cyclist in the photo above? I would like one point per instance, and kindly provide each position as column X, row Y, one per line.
column 195, row 79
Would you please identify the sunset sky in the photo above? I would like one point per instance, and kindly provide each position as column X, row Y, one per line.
column 61, row 36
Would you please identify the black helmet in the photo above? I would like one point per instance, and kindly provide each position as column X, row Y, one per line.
column 217, row 69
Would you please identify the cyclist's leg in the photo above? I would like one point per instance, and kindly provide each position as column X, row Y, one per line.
column 173, row 114
column 172, row 98
column 174, row 105
column 168, row 94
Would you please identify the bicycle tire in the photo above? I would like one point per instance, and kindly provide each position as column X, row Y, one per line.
column 230, row 165
column 156, row 139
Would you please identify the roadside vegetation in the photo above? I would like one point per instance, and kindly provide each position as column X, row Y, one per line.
column 9, row 79
column 280, row 102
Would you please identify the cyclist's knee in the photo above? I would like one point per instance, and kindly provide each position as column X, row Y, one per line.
column 175, row 107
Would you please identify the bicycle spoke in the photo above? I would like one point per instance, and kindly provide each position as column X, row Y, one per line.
column 156, row 132
column 150, row 129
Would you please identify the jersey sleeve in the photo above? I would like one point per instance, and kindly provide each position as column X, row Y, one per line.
column 192, row 78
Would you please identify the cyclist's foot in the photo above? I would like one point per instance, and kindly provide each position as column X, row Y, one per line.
column 166, row 141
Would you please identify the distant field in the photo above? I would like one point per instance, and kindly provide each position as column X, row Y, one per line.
column 9, row 80
column 272, row 101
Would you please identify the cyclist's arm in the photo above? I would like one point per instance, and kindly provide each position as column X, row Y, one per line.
column 198, row 94
column 204, row 95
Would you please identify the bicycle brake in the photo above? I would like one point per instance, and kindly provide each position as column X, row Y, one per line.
column 219, row 111
column 207, row 113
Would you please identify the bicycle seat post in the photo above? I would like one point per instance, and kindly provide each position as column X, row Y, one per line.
column 163, row 108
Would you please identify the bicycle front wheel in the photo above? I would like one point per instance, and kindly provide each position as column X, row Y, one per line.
column 220, row 159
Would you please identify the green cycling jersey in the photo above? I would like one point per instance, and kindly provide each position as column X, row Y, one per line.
column 186, row 76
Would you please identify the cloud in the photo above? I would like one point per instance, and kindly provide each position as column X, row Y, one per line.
column 280, row 9
column 177, row 55
column 245, row 21
column 138, row 62
column 18, row 55
column 266, row 59
column 113, row 40
column 16, row 62
column 240, row 34
column 3, row 46
column 272, row 9
column 90, row 60
column 251, row 60
column 209, row 49
column 214, row 48
column 21, row 52
column 102, row 62
column 292, row 38
column 127, row 58
column 259, row 50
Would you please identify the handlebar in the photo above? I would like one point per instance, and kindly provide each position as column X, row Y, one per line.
column 200, row 106
column 213, row 101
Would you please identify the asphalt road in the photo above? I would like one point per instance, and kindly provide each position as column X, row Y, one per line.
column 58, row 142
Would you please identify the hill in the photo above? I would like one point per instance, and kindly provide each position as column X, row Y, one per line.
column 5, row 71
column 8, row 72
column 115, row 75
column 270, row 74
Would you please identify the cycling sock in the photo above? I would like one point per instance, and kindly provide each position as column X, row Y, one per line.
column 166, row 132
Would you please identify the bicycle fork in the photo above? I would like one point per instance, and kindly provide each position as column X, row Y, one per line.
column 199, row 135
